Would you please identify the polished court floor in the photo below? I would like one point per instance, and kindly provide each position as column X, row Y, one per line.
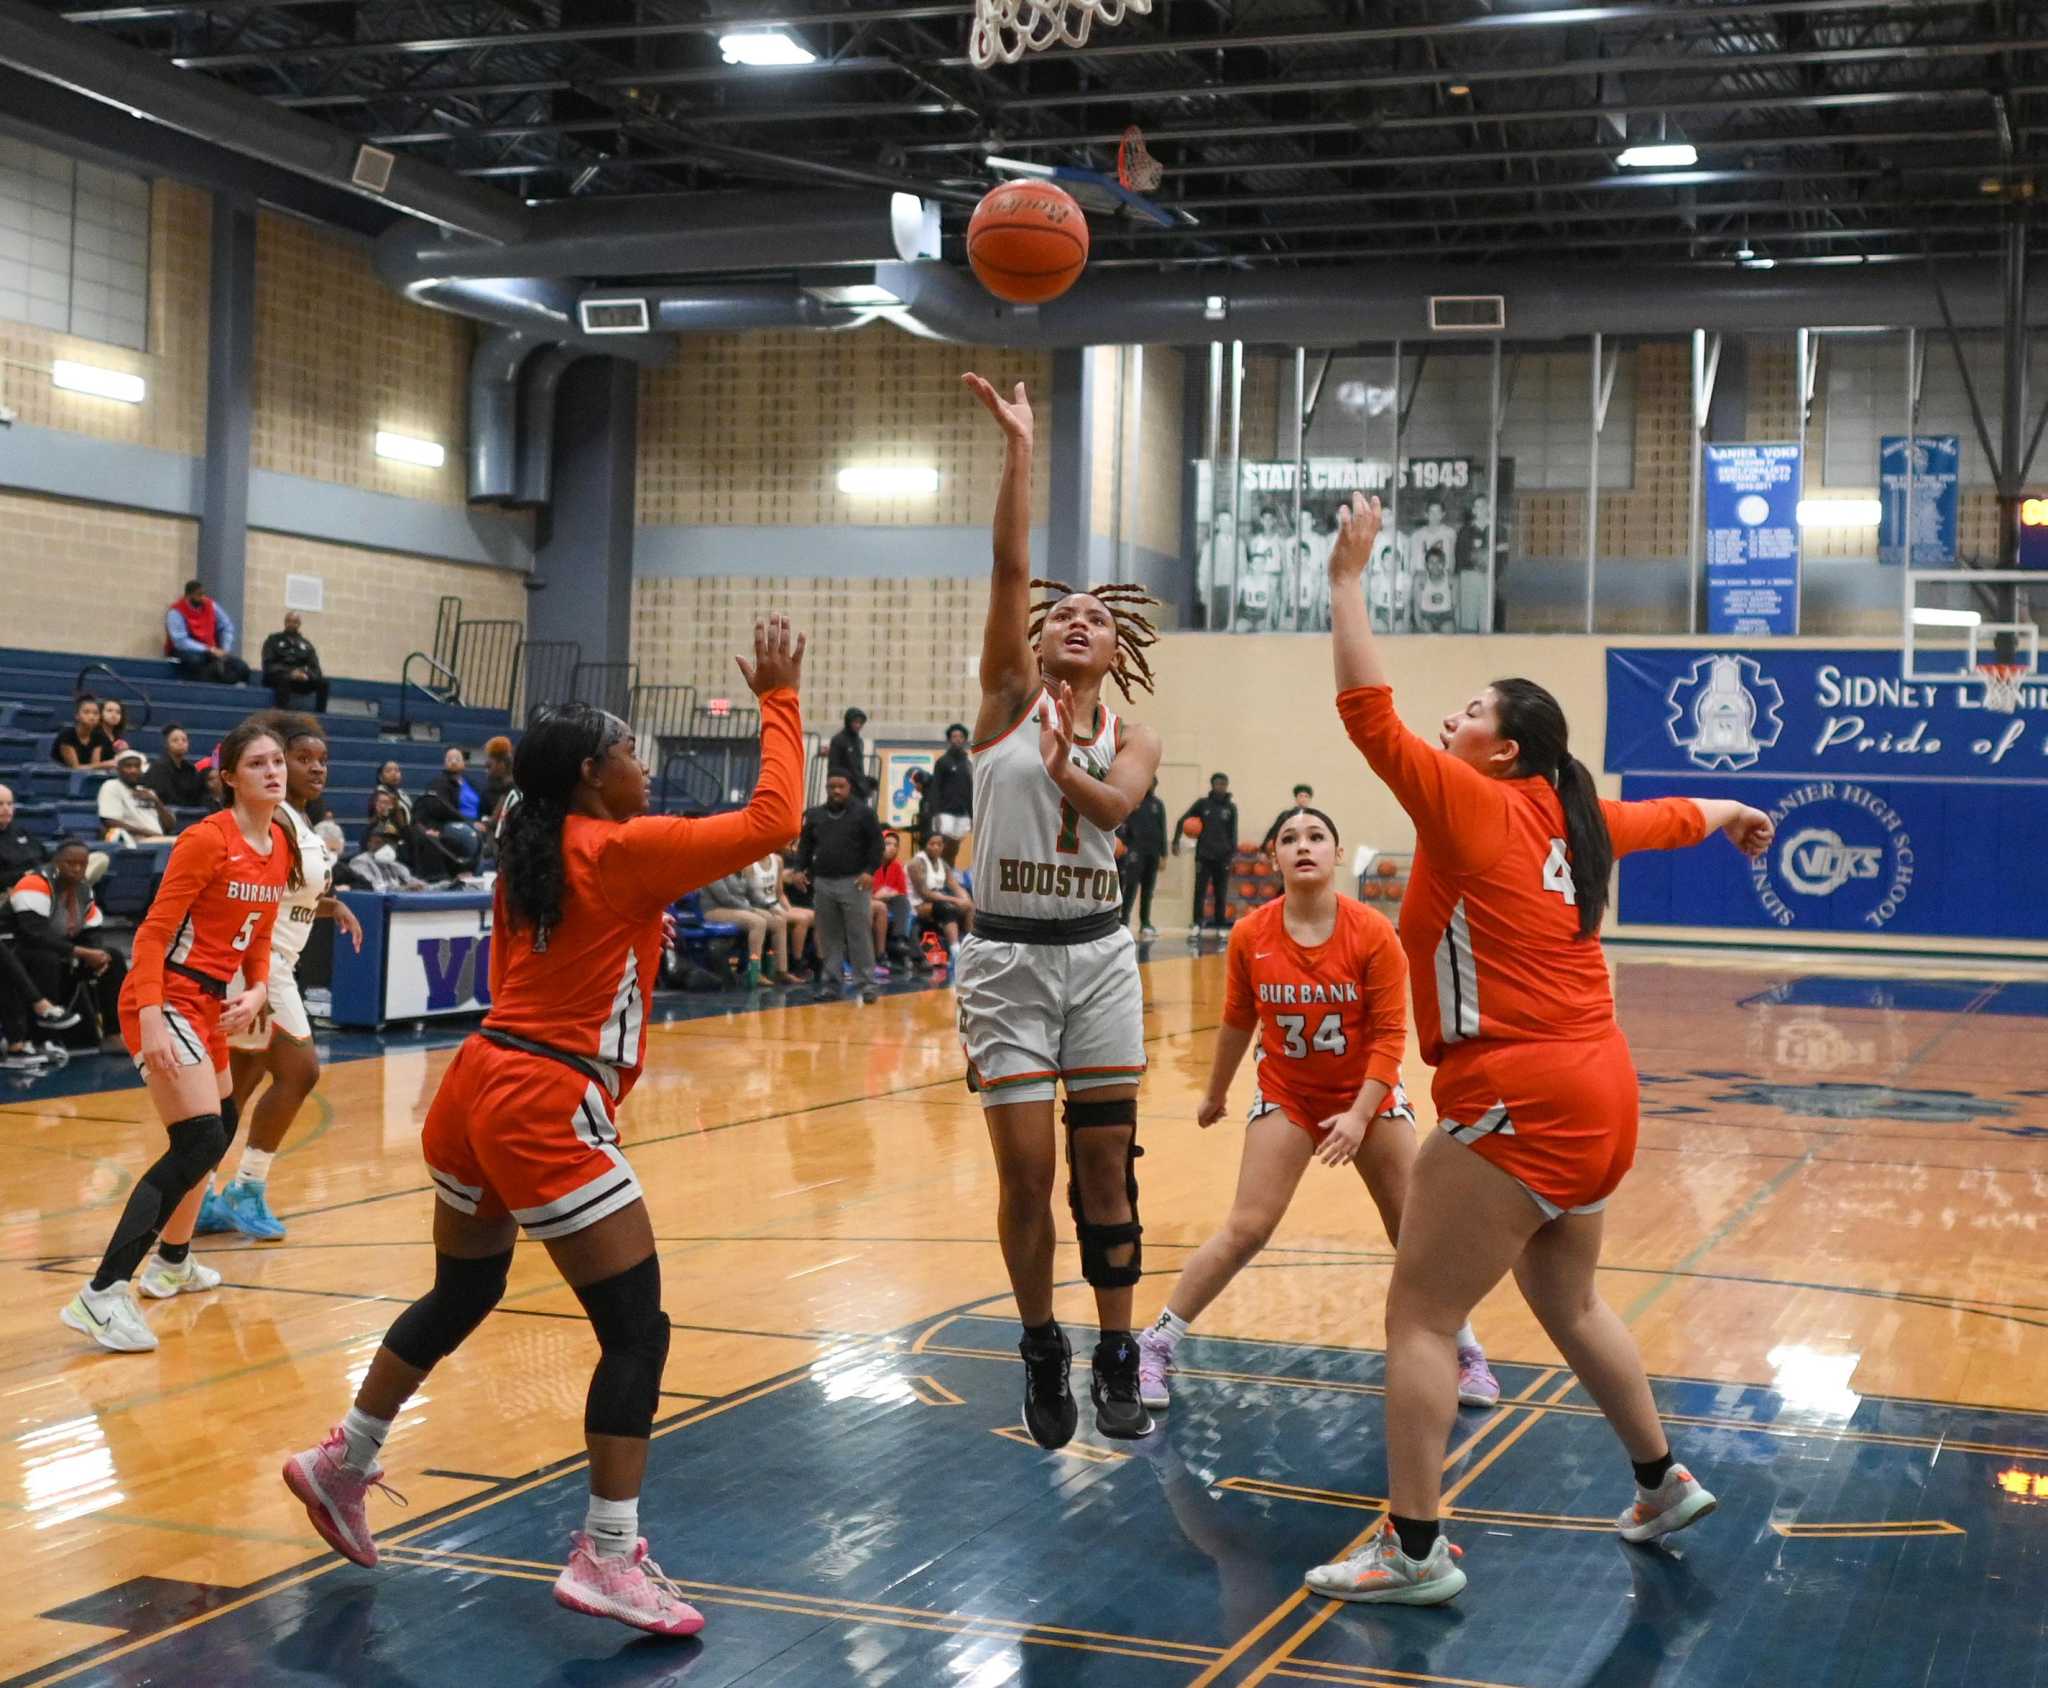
column 1832, row 1251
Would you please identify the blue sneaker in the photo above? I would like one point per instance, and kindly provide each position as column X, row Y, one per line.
column 248, row 1207
column 214, row 1216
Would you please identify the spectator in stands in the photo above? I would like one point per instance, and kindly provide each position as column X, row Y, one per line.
column 889, row 904
column 740, row 900
column 1144, row 840
column 379, row 866
column 1215, row 846
column 837, row 854
column 451, row 797
column 19, row 852
column 849, row 756
column 130, row 813
column 114, row 721
column 173, row 777
column 84, row 744
column 291, row 667
column 771, row 876
column 199, row 636
column 54, row 913
column 497, row 782
column 942, row 903
column 25, row 1011
column 391, row 779
column 1304, row 795
column 952, row 791
column 329, row 833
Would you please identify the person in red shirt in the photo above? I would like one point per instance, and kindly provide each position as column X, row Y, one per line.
column 212, row 916
column 523, row 1133
column 1534, row 1089
column 1319, row 980
column 889, row 901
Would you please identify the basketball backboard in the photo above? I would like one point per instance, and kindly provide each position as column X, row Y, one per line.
column 1094, row 190
column 1959, row 620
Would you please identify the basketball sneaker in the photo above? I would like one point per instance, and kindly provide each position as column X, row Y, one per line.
column 214, row 1217
column 333, row 1492
column 1477, row 1386
column 1676, row 1502
column 1155, row 1366
column 247, row 1206
column 626, row 1586
column 110, row 1317
column 160, row 1280
column 1049, row 1411
column 1114, row 1389
column 1379, row 1573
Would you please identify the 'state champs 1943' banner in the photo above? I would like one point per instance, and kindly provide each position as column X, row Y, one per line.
column 1901, row 806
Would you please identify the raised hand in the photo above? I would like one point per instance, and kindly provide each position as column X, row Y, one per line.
column 1013, row 415
column 777, row 662
column 1358, row 529
column 1750, row 831
column 1056, row 731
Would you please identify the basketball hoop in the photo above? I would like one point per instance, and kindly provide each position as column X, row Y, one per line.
column 1136, row 168
column 1005, row 30
column 2002, row 685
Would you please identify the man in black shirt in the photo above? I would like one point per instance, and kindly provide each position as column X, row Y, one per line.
column 1144, row 839
column 18, row 851
column 1214, row 848
column 847, row 755
column 1304, row 795
column 291, row 666
column 173, row 777
column 952, row 790
column 837, row 853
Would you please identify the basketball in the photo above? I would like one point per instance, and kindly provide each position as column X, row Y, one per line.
column 1387, row 867
column 1027, row 242
column 1191, row 827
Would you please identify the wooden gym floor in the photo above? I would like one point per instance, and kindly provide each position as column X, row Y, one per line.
column 1832, row 1251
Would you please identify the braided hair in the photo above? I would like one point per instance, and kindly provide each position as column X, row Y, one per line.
column 1134, row 633
column 546, row 770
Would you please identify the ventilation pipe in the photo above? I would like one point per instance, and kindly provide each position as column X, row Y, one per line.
column 538, row 387
column 494, row 414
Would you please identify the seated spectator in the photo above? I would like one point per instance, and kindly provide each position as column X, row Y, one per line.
column 19, row 851
column 174, row 777
column 329, row 833
column 942, row 903
column 378, row 866
column 771, row 882
column 498, row 786
column 84, row 744
column 53, row 913
column 291, row 667
column 24, row 1012
column 114, row 721
column 199, row 636
column 130, row 813
column 739, row 901
column 889, row 904
column 451, row 797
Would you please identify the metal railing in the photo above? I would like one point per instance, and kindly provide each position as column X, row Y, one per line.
column 136, row 690
column 407, row 686
column 447, row 624
column 486, row 663
column 610, row 686
column 547, row 674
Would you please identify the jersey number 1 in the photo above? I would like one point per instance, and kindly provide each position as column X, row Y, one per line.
column 1069, row 841
column 1557, row 874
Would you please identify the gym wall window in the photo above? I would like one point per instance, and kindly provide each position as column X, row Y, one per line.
column 74, row 246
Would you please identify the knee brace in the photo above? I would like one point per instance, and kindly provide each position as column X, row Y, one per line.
column 230, row 1118
column 632, row 1339
column 437, row 1324
column 1097, row 1241
column 196, row 1147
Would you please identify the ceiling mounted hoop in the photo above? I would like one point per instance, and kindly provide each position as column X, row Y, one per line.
column 1005, row 30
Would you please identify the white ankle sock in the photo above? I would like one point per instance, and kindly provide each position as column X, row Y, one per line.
column 1169, row 1327
column 1467, row 1338
column 364, row 1435
column 613, row 1526
column 255, row 1167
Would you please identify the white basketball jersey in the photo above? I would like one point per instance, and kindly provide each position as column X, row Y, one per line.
column 1035, row 856
column 1433, row 597
column 295, row 914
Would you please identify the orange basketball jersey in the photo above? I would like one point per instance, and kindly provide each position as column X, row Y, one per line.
column 1331, row 1018
column 1490, row 921
column 214, row 907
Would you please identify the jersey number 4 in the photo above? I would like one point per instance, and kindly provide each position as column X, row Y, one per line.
column 1557, row 874
column 1329, row 1036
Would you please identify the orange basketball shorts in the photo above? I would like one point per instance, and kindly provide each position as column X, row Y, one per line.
column 520, row 1134
column 191, row 1016
column 1557, row 1117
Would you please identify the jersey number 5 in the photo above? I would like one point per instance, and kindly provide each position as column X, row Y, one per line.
column 1557, row 874
column 1329, row 1036
column 247, row 932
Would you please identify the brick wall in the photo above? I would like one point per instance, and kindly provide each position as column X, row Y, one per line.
column 101, row 576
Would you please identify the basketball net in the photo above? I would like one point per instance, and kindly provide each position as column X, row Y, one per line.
column 1005, row 30
column 2002, row 685
column 1136, row 168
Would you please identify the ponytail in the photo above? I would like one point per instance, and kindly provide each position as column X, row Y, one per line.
column 547, row 768
column 1532, row 718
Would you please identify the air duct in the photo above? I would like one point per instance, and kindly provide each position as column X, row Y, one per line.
column 730, row 307
column 538, row 387
column 494, row 414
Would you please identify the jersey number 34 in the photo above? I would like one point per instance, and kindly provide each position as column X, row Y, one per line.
column 1329, row 1036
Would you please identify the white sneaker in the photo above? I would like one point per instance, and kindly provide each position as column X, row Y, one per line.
column 111, row 1318
column 1676, row 1502
column 1155, row 1367
column 160, row 1280
column 1380, row 1573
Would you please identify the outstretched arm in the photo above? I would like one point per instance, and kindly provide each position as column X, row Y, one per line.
column 1352, row 643
column 1009, row 668
column 1234, row 1036
column 1677, row 823
column 1108, row 801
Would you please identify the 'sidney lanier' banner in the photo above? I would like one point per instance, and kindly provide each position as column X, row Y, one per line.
column 1752, row 538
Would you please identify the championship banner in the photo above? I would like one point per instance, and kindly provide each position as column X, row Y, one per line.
column 1752, row 522
column 1934, row 472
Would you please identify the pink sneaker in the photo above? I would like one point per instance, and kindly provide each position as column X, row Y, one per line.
column 1477, row 1386
column 334, row 1497
column 632, row 1589
column 1155, row 1365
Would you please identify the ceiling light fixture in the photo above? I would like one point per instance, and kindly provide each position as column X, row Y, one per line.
column 769, row 47
column 1459, row 89
column 1661, row 155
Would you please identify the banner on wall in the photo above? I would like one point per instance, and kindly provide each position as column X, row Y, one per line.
column 1752, row 522
column 1935, row 471
column 440, row 961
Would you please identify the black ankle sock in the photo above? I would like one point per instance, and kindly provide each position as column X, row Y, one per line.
column 1418, row 1535
column 1047, row 1332
column 1650, row 1473
column 174, row 1253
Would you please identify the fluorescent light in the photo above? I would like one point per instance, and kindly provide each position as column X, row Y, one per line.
column 403, row 448
column 889, row 480
column 1215, row 308
column 1662, row 156
column 100, row 383
column 1946, row 618
column 1753, row 262
column 1840, row 512
column 764, row 47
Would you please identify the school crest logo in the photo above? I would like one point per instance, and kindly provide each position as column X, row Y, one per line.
column 1725, row 712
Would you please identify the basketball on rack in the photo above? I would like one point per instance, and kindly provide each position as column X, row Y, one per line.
column 1027, row 242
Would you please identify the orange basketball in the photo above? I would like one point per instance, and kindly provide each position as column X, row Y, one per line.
column 1191, row 827
column 1027, row 242
column 1387, row 867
